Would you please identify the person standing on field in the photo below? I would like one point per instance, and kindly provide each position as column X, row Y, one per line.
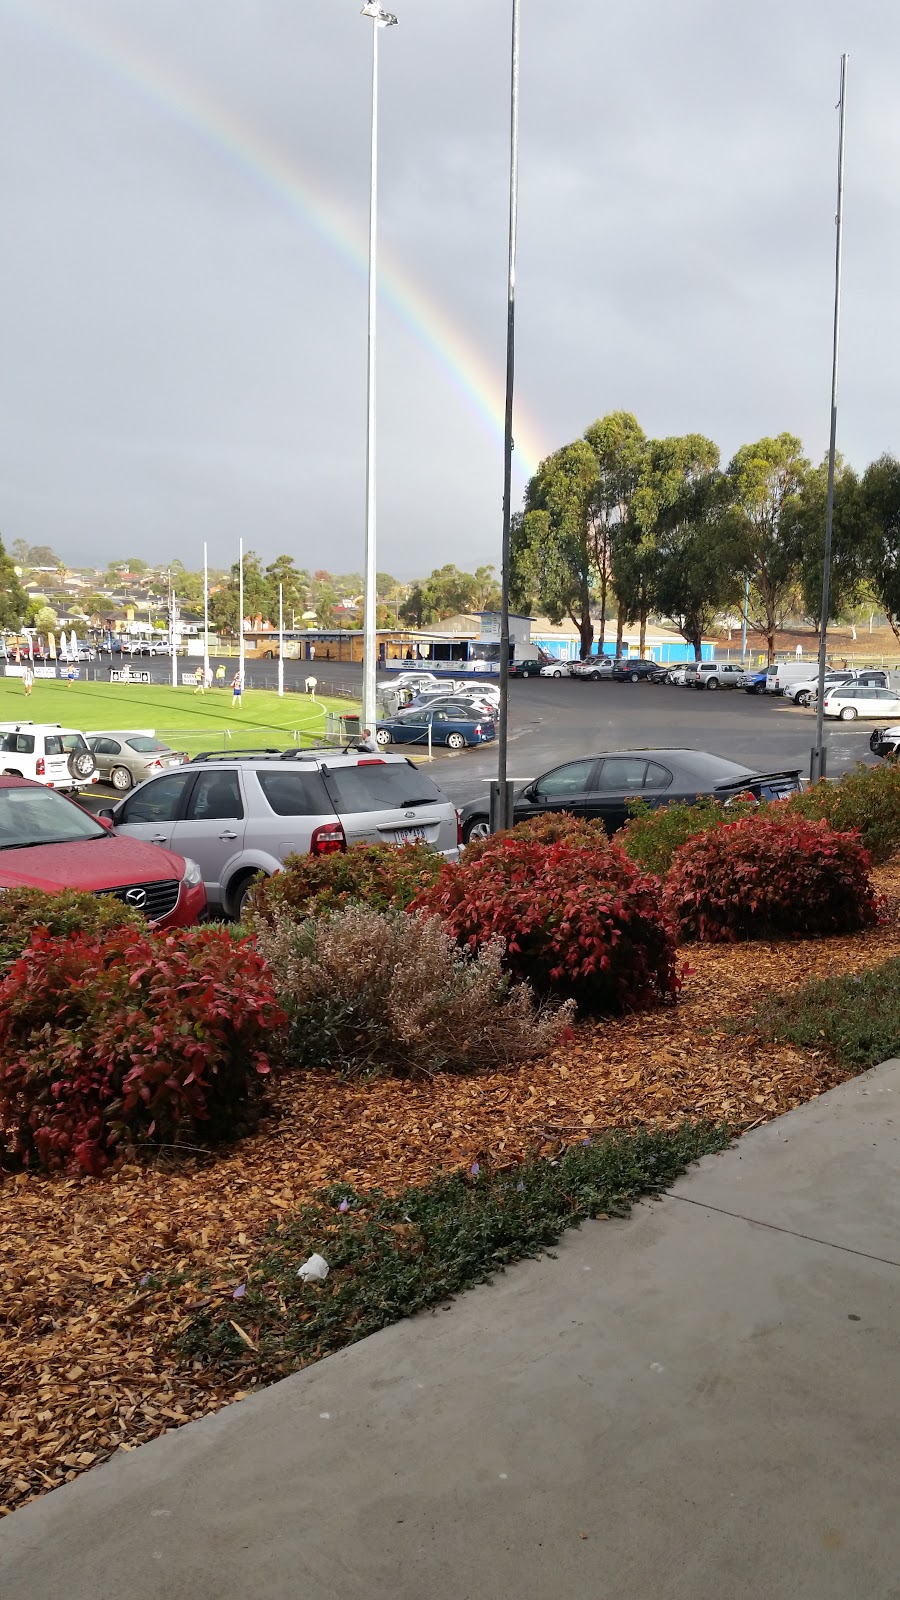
column 28, row 679
column 237, row 689
column 199, row 681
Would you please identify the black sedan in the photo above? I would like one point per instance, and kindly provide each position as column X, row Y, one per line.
column 602, row 785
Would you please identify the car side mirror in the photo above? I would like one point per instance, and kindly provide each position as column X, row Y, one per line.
column 106, row 818
column 529, row 793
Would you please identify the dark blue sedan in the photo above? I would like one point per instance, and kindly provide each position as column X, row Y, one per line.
column 453, row 725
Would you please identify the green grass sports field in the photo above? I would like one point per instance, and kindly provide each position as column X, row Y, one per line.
column 186, row 721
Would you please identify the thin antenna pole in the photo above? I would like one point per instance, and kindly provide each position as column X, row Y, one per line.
column 241, row 651
column 818, row 755
column 205, row 613
column 281, row 639
column 504, row 808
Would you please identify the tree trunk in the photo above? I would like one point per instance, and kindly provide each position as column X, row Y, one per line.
column 893, row 623
column 770, row 643
column 603, row 588
column 586, row 625
column 643, row 634
column 620, row 624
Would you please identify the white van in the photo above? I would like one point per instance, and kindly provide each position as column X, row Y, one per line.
column 781, row 673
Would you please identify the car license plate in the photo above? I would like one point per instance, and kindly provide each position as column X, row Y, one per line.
column 409, row 835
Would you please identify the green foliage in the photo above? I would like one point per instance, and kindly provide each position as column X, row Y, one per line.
column 393, row 1256
column 879, row 517
column 376, row 875
column 552, row 554
column 449, row 591
column 856, row 1018
column 765, row 479
column 13, row 599
column 24, row 910
column 670, row 468
column 654, row 833
column 866, row 800
column 770, row 876
column 371, row 992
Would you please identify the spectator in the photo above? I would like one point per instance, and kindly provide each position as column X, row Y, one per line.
column 220, row 675
column 367, row 743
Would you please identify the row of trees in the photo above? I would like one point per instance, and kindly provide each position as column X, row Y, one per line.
column 656, row 527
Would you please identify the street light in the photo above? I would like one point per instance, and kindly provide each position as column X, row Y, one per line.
column 381, row 19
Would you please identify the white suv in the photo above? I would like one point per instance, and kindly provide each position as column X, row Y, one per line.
column 47, row 752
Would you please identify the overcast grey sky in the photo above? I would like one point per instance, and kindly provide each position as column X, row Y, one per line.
column 183, row 204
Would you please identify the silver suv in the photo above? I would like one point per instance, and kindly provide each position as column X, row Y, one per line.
column 239, row 816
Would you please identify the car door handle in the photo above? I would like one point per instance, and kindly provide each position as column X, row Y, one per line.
column 228, row 835
column 160, row 838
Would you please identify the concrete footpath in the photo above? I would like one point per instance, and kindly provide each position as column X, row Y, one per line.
column 698, row 1403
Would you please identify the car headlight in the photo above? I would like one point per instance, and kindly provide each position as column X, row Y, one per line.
column 192, row 874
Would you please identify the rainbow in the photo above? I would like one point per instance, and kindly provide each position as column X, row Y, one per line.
column 277, row 171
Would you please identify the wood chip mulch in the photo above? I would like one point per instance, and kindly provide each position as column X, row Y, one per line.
column 86, row 1360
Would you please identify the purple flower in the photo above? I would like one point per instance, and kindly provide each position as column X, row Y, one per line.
column 474, row 1169
column 239, row 1292
column 146, row 1279
column 520, row 1188
column 344, row 1205
column 585, row 1141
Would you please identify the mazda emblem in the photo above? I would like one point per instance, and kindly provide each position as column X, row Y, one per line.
column 136, row 898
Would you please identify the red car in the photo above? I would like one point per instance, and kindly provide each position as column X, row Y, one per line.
column 49, row 842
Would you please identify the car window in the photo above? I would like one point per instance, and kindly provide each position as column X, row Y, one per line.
column 379, row 786
column 21, row 744
column 60, row 744
column 657, row 777
column 295, row 794
column 30, row 816
column 573, row 778
column 143, row 745
column 216, row 796
column 882, row 694
column 622, row 774
column 105, row 747
column 157, row 801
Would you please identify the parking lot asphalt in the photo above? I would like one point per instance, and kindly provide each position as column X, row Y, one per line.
column 558, row 719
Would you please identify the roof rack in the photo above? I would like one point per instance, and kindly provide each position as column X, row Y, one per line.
column 265, row 753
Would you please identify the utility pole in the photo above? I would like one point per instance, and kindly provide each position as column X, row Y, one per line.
column 502, row 804
column 818, row 755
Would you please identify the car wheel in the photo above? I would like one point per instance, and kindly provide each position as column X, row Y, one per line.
column 712, row 683
column 848, row 714
column 594, row 677
column 121, row 779
column 477, row 828
column 81, row 764
column 383, row 737
column 557, row 674
column 455, row 741
column 244, row 893
column 634, row 676
column 801, row 699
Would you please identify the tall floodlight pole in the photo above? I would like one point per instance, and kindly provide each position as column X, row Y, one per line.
column 281, row 639
column 173, row 645
column 380, row 19
column 819, row 754
column 205, row 612
column 744, row 621
column 241, row 608
column 502, row 807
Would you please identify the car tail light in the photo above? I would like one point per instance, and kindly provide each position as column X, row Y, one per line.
column 327, row 840
column 375, row 761
column 459, row 837
column 40, row 767
column 478, row 727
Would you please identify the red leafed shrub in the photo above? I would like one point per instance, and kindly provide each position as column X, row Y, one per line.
column 552, row 827
column 578, row 920
column 768, row 876
column 114, row 1040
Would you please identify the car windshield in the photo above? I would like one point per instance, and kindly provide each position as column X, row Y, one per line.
column 145, row 746
column 30, row 816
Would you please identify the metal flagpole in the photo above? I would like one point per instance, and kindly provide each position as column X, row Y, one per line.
column 241, row 610
column 205, row 614
column 380, row 19
column 281, row 639
column 501, row 798
column 818, row 755
column 173, row 645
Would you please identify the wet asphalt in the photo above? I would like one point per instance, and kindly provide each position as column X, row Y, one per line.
column 559, row 719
